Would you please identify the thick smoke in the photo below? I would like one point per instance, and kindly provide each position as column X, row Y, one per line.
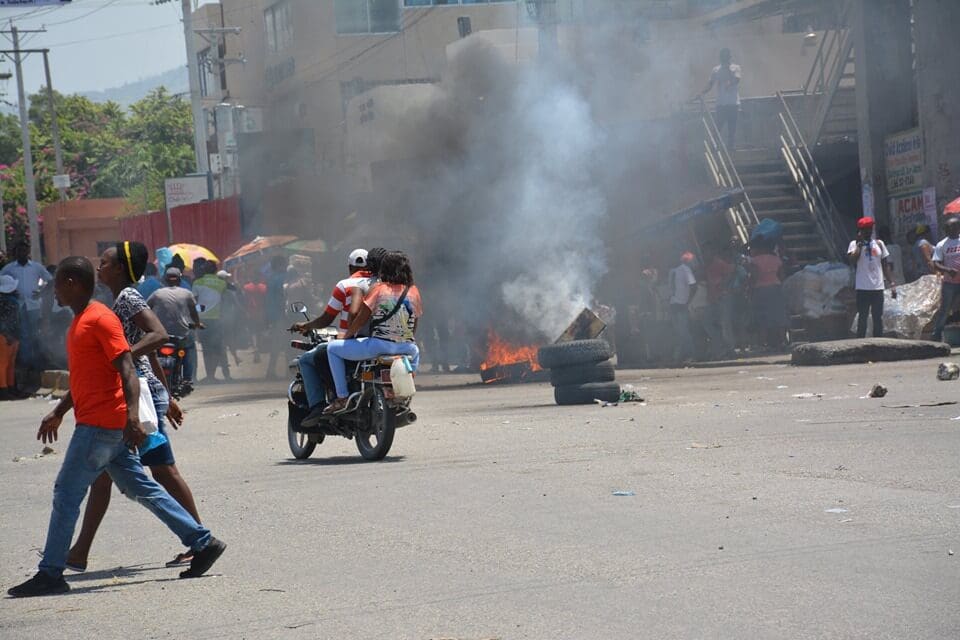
column 510, row 213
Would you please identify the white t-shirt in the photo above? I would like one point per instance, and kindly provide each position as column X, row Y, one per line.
column 870, row 265
column 728, row 93
column 681, row 279
column 947, row 251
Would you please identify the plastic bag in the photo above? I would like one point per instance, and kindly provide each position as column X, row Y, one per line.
column 913, row 310
column 149, row 420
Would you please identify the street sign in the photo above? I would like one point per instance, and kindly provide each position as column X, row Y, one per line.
column 185, row 190
column 61, row 181
column 31, row 3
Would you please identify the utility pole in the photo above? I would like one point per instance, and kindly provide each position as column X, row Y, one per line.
column 27, row 153
column 54, row 128
column 546, row 15
column 196, row 106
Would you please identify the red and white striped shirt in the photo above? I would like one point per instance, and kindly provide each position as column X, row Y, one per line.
column 342, row 296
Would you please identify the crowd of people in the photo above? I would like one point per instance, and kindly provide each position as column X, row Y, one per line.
column 730, row 301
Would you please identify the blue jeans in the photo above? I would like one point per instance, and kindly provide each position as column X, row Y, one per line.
column 951, row 293
column 313, row 374
column 190, row 358
column 364, row 349
column 91, row 451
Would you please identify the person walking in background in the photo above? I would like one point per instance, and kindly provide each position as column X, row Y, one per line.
column 726, row 78
column 234, row 328
column 209, row 290
column 922, row 250
column 9, row 337
column 767, row 300
column 276, row 311
column 946, row 260
column 177, row 309
column 718, row 322
column 105, row 397
column 683, row 286
column 873, row 271
column 150, row 281
column 254, row 299
column 30, row 277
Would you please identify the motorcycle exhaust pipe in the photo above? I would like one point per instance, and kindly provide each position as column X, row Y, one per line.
column 407, row 418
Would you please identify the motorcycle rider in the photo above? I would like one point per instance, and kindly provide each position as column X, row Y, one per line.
column 177, row 309
column 314, row 365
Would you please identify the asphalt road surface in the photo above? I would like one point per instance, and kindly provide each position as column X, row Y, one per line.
column 756, row 514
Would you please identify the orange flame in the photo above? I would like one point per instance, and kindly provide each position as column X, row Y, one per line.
column 500, row 353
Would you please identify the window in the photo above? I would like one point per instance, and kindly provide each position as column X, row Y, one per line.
column 367, row 16
column 278, row 22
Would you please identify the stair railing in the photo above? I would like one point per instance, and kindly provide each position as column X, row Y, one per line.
column 742, row 218
column 829, row 66
column 812, row 188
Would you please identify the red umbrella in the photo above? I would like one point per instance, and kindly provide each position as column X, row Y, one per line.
column 953, row 207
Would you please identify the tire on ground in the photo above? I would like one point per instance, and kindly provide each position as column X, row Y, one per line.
column 582, row 373
column 564, row 354
column 586, row 393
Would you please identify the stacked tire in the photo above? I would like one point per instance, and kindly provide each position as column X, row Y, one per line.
column 580, row 371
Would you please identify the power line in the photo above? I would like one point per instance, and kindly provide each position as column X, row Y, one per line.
column 89, row 13
column 114, row 35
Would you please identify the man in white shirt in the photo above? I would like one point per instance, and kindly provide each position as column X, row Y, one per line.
column 946, row 260
column 873, row 268
column 30, row 277
column 726, row 78
column 683, row 286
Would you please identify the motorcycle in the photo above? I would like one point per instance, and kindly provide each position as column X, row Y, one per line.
column 171, row 356
column 374, row 411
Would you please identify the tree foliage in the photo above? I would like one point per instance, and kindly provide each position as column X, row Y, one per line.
column 108, row 152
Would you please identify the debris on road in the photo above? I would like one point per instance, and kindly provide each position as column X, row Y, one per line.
column 878, row 391
column 835, row 510
column 629, row 394
column 807, row 394
column 948, row 371
column 624, row 494
column 945, row 403
column 697, row 445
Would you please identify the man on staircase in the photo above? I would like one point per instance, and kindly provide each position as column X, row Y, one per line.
column 726, row 78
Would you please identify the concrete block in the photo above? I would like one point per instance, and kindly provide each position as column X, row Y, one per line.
column 55, row 379
column 867, row 350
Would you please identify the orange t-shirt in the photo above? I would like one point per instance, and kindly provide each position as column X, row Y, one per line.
column 94, row 341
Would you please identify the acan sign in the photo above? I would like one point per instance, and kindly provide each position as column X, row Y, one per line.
column 186, row 190
column 31, row 3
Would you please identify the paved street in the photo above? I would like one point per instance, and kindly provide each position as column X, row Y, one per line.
column 756, row 514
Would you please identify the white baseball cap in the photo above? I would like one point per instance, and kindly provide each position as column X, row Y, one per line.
column 358, row 258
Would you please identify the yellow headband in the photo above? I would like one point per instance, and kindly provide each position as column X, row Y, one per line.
column 126, row 250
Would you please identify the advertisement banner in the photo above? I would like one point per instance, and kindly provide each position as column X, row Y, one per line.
column 906, row 212
column 903, row 157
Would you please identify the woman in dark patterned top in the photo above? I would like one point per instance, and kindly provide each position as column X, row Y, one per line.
column 9, row 335
column 120, row 269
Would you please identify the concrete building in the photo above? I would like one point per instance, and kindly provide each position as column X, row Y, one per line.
column 332, row 77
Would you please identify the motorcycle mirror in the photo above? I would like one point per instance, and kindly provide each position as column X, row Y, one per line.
column 298, row 307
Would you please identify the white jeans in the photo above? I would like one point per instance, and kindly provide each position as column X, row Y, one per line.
column 364, row 349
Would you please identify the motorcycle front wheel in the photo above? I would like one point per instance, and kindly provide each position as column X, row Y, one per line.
column 301, row 446
column 375, row 442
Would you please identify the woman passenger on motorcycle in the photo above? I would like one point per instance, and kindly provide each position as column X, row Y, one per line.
column 392, row 307
column 120, row 269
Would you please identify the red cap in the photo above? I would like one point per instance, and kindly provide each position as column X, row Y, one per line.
column 865, row 223
column 687, row 257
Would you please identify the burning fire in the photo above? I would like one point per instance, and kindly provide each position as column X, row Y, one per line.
column 501, row 353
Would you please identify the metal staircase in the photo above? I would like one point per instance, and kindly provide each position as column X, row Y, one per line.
column 832, row 77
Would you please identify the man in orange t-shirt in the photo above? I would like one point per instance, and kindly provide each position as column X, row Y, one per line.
column 105, row 396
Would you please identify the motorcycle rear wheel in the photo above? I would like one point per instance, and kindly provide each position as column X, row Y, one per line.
column 301, row 444
column 375, row 444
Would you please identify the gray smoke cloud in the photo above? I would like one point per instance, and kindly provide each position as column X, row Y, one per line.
column 509, row 208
